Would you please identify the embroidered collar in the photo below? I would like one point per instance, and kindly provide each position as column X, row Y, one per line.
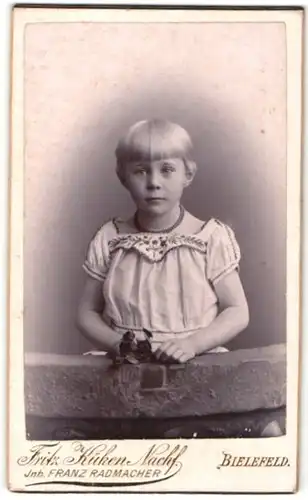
column 156, row 246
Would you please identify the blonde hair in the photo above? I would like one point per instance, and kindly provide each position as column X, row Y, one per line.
column 154, row 139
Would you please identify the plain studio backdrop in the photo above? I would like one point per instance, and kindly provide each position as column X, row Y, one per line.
column 85, row 83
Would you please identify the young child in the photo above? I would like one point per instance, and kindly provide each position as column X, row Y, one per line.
column 162, row 268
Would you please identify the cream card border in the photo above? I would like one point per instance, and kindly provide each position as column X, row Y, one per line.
column 196, row 474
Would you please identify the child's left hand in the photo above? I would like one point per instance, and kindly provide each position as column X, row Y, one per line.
column 175, row 351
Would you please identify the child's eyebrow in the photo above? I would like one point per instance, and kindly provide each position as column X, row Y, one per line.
column 148, row 163
column 168, row 162
column 139, row 163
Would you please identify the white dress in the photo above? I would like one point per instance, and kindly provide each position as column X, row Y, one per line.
column 163, row 282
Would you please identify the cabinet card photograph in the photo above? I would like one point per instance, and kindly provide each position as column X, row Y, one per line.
column 154, row 302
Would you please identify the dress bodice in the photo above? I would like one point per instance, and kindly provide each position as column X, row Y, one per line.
column 162, row 282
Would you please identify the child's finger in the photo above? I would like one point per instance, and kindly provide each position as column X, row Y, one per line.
column 176, row 355
column 163, row 348
column 184, row 357
column 161, row 355
column 171, row 350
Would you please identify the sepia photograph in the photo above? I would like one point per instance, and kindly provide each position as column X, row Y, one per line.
column 154, row 227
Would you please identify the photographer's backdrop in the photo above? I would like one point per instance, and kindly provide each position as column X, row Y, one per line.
column 85, row 83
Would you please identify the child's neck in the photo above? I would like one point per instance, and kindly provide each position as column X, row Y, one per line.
column 158, row 222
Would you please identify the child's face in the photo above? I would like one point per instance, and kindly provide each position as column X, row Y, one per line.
column 156, row 186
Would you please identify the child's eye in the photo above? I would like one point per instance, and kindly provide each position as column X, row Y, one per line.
column 167, row 167
column 140, row 170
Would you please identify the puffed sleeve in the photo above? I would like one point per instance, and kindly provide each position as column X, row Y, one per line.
column 96, row 262
column 223, row 253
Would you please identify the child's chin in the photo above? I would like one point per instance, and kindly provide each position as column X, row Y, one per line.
column 155, row 209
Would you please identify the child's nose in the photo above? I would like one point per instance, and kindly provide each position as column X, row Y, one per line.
column 153, row 181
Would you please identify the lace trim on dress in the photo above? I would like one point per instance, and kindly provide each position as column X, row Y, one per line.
column 155, row 247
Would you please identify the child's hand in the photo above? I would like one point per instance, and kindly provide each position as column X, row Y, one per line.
column 175, row 351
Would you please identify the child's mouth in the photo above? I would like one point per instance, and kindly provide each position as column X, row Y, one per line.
column 154, row 200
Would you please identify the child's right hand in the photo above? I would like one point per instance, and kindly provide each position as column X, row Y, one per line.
column 175, row 351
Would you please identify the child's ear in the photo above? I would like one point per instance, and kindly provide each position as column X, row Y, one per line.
column 190, row 172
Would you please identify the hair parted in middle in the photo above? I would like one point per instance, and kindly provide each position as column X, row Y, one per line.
column 155, row 139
